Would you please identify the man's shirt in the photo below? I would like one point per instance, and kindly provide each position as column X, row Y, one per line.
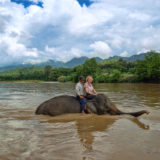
column 80, row 89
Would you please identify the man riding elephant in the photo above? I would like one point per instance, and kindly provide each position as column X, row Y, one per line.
column 80, row 92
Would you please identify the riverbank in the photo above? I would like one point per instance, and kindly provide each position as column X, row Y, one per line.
column 42, row 81
column 23, row 81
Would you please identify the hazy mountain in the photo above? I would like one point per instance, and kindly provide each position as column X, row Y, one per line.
column 73, row 62
column 50, row 62
column 98, row 59
column 6, row 68
column 77, row 61
column 55, row 64
column 132, row 58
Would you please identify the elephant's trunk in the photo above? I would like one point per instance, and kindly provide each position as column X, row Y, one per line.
column 115, row 111
column 137, row 114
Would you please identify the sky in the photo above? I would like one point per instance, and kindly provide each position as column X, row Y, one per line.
column 33, row 31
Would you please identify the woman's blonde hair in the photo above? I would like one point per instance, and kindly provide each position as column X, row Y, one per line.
column 88, row 78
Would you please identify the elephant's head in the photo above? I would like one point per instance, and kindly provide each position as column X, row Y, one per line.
column 99, row 105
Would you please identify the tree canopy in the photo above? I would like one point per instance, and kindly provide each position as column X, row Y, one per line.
column 147, row 70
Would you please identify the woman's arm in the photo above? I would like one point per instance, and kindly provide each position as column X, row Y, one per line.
column 87, row 91
column 95, row 91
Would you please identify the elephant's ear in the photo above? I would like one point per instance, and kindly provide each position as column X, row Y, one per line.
column 92, row 107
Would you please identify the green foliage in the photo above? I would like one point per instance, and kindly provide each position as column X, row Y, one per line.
column 47, row 70
column 115, row 64
column 115, row 76
column 106, row 71
column 57, row 72
column 78, row 71
column 54, row 74
column 128, row 77
column 30, row 73
column 64, row 78
column 61, row 79
column 103, row 78
column 90, row 67
column 149, row 69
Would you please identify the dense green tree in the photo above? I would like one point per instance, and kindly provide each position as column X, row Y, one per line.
column 47, row 70
column 77, row 72
column 153, row 66
column 149, row 69
column 57, row 72
column 90, row 67
column 102, row 78
column 54, row 74
column 115, row 76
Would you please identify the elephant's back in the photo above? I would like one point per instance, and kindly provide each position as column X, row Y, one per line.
column 59, row 105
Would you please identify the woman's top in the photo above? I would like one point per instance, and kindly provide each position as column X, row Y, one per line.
column 90, row 88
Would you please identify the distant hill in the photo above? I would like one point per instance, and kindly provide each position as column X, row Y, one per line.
column 73, row 62
column 77, row 61
column 10, row 67
column 55, row 64
column 132, row 58
column 50, row 62
column 70, row 64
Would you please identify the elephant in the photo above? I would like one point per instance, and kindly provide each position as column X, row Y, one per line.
column 69, row 104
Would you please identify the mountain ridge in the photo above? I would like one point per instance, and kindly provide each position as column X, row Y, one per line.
column 73, row 62
column 55, row 64
column 132, row 58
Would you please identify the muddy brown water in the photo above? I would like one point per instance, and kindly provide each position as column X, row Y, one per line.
column 26, row 136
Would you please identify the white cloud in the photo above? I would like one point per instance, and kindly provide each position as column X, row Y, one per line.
column 63, row 29
column 140, row 16
column 124, row 54
column 142, row 51
column 117, row 42
column 50, row 50
column 15, row 49
column 64, row 55
column 84, row 19
column 101, row 49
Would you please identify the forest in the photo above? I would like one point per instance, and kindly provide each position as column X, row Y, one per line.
column 106, row 71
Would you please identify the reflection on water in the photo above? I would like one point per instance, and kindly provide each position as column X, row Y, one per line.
column 24, row 135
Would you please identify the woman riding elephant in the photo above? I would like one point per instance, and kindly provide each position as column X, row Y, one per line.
column 90, row 91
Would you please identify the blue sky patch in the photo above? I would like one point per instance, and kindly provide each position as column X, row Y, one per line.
column 27, row 3
column 86, row 2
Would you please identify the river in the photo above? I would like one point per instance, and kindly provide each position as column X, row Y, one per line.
column 26, row 136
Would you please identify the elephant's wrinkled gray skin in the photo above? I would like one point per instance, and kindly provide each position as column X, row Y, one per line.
column 69, row 104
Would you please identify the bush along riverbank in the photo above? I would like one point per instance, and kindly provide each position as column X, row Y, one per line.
column 106, row 71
